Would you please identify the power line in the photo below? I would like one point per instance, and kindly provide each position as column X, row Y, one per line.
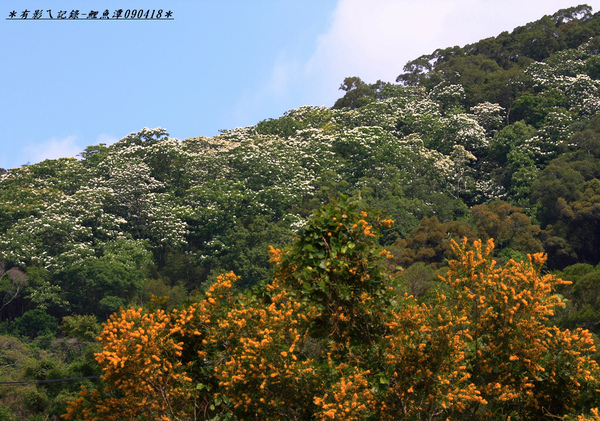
column 47, row 381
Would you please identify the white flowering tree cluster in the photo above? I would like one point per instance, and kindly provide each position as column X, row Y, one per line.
column 490, row 139
column 194, row 207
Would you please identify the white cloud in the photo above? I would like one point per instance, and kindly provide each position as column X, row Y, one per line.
column 282, row 75
column 53, row 148
column 374, row 39
column 272, row 94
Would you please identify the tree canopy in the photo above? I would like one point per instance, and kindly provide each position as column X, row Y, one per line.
column 499, row 139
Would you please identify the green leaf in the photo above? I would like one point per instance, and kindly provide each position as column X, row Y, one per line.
column 308, row 247
column 324, row 287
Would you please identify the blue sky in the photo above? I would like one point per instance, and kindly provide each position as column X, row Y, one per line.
column 218, row 64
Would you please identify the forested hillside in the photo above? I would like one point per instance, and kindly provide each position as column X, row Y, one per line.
column 497, row 140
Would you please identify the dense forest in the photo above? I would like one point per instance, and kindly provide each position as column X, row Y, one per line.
column 401, row 255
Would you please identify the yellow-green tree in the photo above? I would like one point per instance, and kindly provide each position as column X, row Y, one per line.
column 327, row 337
column 523, row 366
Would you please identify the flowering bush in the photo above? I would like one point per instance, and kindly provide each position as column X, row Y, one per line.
column 327, row 337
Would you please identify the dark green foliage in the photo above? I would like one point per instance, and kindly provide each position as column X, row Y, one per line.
column 100, row 286
column 583, row 297
column 64, row 174
column 508, row 139
column 180, row 269
column 486, row 140
column 568, row 195
column 508, row 226
column 359, row 93
column 588, row 140
column 283, row 126
column 171, row 295
column 557, row 180
column 577, row 223
column 290, row 123
column 592, row 67
column 145, row 137
column 387, row 194
column 492, row 69
column 334, row 264
column 83, row 328
column 6, row 414
column 430, row 242
column 248, row 248
column 34, row 323
column 227, row 196
column 472, row 72
column 93, row 155
column 417, row 280
column 36, row 401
